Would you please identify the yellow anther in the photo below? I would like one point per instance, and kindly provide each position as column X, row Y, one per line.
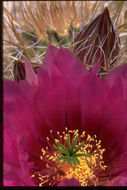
column 83, row 172
column 56, row 140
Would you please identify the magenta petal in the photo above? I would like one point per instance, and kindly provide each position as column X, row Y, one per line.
column 51, row 95
column 103, row 108
column 95, row 69
column 12, row 90
column 93, row 93
column 119, row 72
column 30, row 74
column 8, row 182
column 68, row 64
column 69, row 182
column 48, row 60
column 10, row 148
column 72, row 71
column 64, row 67
column 65, row 61
column 16, row 167
column 118, row 181
column 18, row 178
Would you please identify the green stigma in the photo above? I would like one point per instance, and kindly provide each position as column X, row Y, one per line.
column 69, row 154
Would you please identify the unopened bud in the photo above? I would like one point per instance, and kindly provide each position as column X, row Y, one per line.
column 98, row 42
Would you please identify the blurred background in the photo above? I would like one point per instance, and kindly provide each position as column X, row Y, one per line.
column 30, row 25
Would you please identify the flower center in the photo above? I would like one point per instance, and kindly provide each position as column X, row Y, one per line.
column 71, row 155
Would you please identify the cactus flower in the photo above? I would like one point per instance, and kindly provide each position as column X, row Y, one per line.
column 64, row 126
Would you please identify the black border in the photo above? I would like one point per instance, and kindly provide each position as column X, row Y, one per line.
column 67, row 188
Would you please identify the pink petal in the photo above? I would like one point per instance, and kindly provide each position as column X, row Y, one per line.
column 118, row 181
column 30, row 74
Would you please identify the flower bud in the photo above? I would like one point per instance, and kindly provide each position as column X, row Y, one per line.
column 19, row 70
column 98, row 42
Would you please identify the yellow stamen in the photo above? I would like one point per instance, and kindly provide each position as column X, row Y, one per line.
column 85, row 172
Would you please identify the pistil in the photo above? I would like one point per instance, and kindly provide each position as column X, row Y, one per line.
column 72, row 155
